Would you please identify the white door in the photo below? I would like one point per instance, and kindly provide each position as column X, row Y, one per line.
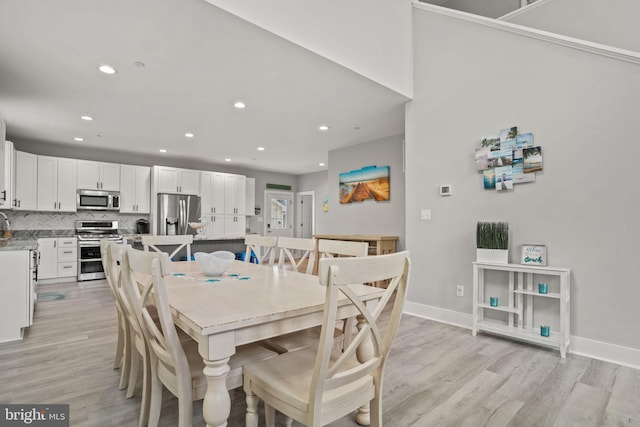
column 305, row 219
column 278, row 213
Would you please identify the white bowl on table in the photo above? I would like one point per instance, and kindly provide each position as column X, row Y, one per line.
column 215, row 263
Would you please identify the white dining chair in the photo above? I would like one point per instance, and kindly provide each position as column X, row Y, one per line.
column 136, row 343
column 110, row 265
column 296, row 251
column 175, row 363
column 264, row 248
column 316, row 386
column 341, row 248
column 156, row 242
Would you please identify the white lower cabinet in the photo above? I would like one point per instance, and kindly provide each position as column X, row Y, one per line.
column 58, row 258
column 16, row 304
column 516, row 308
column 225, row 226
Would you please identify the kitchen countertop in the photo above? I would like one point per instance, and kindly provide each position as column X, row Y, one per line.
column 18, row 244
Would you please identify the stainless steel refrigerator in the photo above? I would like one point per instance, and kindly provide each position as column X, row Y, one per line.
column 175, row 212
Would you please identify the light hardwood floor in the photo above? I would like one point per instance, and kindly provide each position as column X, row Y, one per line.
column 437, row 375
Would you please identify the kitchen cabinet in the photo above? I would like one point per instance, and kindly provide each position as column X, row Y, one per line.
column 250, row 197
column 6, row 192
column 98, row 176
column 135, row 189
column 214, row 226
column 25, row 182
column 212, row 192
column 525, row 308
column 18, row 293
column 235, row 194
column 56, row 189
column 58, row 257
column 174, row 180
column 235, row 226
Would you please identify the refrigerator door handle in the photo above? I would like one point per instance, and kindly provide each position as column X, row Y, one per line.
column 183, row 218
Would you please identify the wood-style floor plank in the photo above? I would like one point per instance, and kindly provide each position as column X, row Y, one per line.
column 437, row 375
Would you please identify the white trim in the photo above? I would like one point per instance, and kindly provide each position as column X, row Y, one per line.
column 557, row 39
column 625, row 356
column 523, row 9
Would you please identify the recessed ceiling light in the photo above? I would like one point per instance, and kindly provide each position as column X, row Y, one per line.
column 139, row 64
column 227, row 160
column 87, row 118
column 320, row 164
column 77, row 138
column 107, row 69
column 162, row 150
column 189, row 135
column 239, row 105
column 260, row 148
column 323, row 127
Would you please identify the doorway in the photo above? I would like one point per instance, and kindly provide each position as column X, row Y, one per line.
column 305, row 214
column 278, row 213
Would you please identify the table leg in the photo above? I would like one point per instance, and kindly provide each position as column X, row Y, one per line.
column 217, row 403
column 364, row 352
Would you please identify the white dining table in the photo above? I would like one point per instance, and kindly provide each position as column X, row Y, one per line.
column 248, row 304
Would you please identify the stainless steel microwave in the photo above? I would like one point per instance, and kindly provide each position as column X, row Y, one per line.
column 98, row 200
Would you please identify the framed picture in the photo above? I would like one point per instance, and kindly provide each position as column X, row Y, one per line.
column 534, row 255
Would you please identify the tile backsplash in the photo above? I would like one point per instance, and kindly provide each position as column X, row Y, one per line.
column 30, row 220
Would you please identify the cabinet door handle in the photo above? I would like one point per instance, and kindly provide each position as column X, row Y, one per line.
column 54, row 243
column 98, row 184
column 4, row 195
column 55, row 205
column 68, row 252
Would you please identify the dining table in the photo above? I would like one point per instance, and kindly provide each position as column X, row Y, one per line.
column 247, row 304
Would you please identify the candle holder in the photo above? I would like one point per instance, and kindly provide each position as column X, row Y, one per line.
column 544, row 330
column 543, row 288
column 493, row 301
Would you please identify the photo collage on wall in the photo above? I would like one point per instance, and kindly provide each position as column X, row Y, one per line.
column 507, row 159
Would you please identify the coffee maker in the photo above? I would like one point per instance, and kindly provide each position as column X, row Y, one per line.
column 142, row 226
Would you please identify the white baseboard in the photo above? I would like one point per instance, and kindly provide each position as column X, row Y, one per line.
column 599, row 350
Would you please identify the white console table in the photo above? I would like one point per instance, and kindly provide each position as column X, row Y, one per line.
column 521, row 304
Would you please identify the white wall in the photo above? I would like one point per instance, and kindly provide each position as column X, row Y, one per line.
column 488, row 8
column 370, row 37
column 610, row 22
column 368, row 217
column 582, row 109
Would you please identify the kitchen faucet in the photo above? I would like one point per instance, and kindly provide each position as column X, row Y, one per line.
column 7, row 225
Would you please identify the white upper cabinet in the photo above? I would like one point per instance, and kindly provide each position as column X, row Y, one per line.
column 135, row 189
column 212, row 192
column 98, row 175
column 250, row 197
column 56, row 190
column 25, row 181
column 234, row 194
column 6, row 192
column 174, row 180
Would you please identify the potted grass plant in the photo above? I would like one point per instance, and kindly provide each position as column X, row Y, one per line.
column 492, row 242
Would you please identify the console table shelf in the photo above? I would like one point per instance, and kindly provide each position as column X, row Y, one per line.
column 521, row 304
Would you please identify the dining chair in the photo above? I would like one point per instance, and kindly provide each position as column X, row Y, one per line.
column 316, row 387
column 136, row 343
column 110, row 260
column 261, row 246
column 175, row 364
column 305, row 247
column 183, row 241
column 341, row 248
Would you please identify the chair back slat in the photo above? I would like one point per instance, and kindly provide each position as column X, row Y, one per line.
column 155, row 243
column 289, row 244
column 261, row 246
column 341, row 248
column 337, row 274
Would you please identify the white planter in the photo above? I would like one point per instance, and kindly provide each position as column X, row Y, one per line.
column 493, row 256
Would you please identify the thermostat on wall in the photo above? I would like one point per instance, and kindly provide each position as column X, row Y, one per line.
column 445, row 190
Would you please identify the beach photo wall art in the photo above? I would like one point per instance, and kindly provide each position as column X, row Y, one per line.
column 508, row 158
column 370, row 182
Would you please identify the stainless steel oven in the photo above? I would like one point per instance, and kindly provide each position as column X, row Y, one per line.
column 89, row 233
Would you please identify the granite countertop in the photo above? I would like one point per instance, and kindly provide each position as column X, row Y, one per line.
column 18, row 244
